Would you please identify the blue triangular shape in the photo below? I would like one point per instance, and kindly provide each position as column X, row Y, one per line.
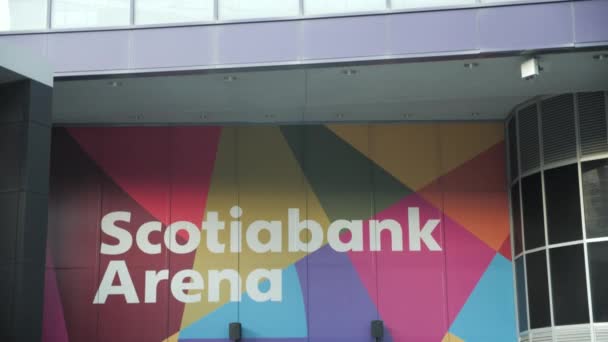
column 259, row 320
column 489, row 313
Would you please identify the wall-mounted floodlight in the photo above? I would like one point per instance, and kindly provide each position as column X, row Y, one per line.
column 234, row 331
column 530, row 68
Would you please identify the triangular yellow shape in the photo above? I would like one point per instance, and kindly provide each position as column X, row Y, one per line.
column 449, row 337
column 418, row 153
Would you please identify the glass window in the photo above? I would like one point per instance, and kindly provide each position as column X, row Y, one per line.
column 563, row 204
column 538, row 289
column 568, row 284
column 516, row 211
column 314, row 7
column 405, row 4
column 522, row 309
column 173, row 11
column 19, row 15
column 532, row 198
column 595, row 197
column 251, row 9
column 90, row 13
column 598, row 264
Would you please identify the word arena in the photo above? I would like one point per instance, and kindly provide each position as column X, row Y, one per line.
column 182, row 237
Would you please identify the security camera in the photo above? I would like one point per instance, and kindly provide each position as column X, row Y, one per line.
column 530, row 68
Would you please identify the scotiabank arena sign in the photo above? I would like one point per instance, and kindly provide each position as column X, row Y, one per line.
column 300, row 233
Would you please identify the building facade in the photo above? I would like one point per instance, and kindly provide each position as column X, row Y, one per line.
column 299, row 170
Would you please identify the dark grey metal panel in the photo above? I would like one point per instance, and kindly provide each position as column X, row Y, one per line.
column 12, row 105
column 6, row 300
column 592, row 122
column 529, row 138
column 37, row 159
column 12, row 153
column 24, row 171
column 31, row 228
column 9, row 211
column 558, row 128
column 512, row 141
column 28, row 298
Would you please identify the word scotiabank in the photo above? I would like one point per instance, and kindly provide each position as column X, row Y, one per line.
column 187, row 285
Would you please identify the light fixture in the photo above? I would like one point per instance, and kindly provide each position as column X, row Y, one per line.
column 340, row 116
column 530, row 68
column 471, row 65
column 475, row 114
column 230, row 78
column 600, row 57
column 115, row 84
column 349, row 72
column 408, row 116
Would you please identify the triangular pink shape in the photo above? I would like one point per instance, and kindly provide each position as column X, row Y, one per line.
column 161, row 168
column 419, row 293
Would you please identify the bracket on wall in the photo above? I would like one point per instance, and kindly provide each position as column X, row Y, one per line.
column 377, row 330
column 234, row 331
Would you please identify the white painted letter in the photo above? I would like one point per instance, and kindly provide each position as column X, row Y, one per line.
column 212, row 225
column 194, row 237
column 143, row 237
column 152, row 280
column 215, row 278
column 356, row 239
column 125, row 286
column 108, row 226
column 179, row 287
column 376, row 237
column 296, row 226
column 236, row 230
column 275, row 290
column 416, row 235
column 273, row 245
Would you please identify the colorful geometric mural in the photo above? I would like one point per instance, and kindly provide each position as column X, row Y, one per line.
column 300, row 233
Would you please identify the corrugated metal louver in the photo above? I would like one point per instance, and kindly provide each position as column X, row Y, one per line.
column 601, row 332
column 574, row 333
column 592, row 122
column 541, row 335
column 529, row 149
column 559, row 135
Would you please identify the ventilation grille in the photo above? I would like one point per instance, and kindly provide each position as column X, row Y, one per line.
column 601, row 332
column 524, row 338
column 576, row 333
column 529, row 149
column 592, row 122
column 541, row 335
column 512, row 134
column 559, row 136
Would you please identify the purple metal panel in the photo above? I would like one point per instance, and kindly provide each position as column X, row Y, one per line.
column 525, row 27
column 34, row 43
column 89, row 51
column 472, row 30
column 173, row 47
column 258, row 43
column 591, row 21
column 348, row 37
column 432, row 32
